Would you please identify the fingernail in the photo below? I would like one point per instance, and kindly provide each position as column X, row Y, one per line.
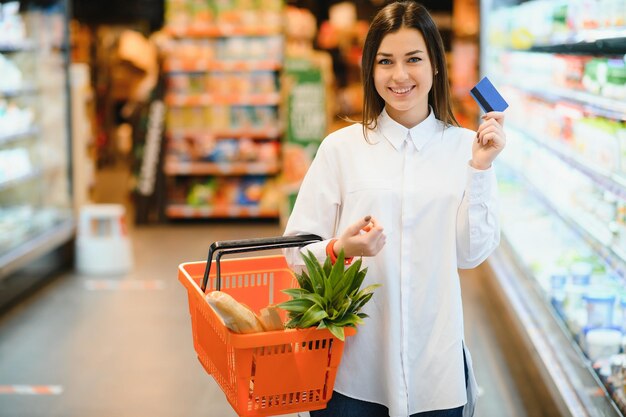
column 367, row 218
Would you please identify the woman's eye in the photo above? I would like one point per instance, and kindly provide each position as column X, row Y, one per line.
column 384, row 61
column 414, row 59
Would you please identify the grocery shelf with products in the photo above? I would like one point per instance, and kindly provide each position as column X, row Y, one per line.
column 36, row 214
column 562, row 264
column 222, row 69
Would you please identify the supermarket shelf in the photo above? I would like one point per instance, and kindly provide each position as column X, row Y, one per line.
column 180, row 134
column 35, row 247
column 569, row 374
column 591, row 35
column 225, row 168
column 602, row 42
column 595, row 104
column 182, row 211
column 4, row 185
column 18, row 91
column 19, row 135
column 219, row 31
column 21, row 46
column 202, row 65
column 271, row 99
column 604, row 179
column 610, row 253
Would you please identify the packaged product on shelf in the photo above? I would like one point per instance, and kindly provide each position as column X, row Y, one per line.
column 178, row 83
column 268, row 151
column 558, row 282
column 220, row 118
column 12, row 28
column 216, row 83
column 15, row 119
column 188, row 54
column 225, row 150
column 14, row 163
column 10, row 75
column 241, row 118
column 251, row 190
column 599, row 306
column 247, row 150
column 189, row 149
column 264, row 117
column 196, row 117
column 175, row 118
column 264, row 83
column 602, row 343
column 201, row 194
column 569, row 70
column 196, row 83
column 241, row 84
column 615, row 86
column 227, row 192
column 596, row 140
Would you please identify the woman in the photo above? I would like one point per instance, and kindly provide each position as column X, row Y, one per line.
column 430, row 190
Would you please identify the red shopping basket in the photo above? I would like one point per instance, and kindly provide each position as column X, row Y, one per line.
column 261, row 374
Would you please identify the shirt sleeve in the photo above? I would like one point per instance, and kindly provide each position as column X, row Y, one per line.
column 478, row 226
column 316, row 208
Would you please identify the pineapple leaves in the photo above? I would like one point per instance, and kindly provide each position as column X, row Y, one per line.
column 330, row 296
column 304, row 281
column 312, row 316
column 295, row 292
column 316, row 272
column 336, row 331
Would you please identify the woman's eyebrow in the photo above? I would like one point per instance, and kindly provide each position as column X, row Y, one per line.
column 385, row 54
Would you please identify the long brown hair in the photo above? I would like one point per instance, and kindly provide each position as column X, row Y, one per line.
column 390, row 19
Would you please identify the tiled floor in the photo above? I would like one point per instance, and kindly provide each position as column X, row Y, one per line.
column 117, row 346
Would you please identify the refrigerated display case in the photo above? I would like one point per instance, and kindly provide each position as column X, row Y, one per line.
column 36, row 213
column 562, row 265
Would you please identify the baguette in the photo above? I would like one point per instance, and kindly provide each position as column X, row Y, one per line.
column 270, row 320
column 236, row 316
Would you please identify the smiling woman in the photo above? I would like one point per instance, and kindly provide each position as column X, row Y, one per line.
column 414, row 195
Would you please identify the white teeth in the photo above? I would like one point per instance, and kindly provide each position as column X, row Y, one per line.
column 402, row 91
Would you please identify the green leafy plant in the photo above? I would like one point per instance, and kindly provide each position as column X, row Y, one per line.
column 329, row 297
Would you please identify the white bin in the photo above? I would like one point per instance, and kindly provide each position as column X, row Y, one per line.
column 102, row 243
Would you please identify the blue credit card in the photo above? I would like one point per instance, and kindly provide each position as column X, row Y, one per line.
column 488, row 97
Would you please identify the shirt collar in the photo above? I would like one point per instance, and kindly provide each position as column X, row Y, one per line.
column 395, row 133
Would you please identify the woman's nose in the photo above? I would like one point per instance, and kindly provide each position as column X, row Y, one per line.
column 399, row 73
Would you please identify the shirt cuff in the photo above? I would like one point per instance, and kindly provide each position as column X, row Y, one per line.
column 318, row 249
column 481, row 184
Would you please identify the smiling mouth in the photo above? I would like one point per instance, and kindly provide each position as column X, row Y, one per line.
column 401, row 91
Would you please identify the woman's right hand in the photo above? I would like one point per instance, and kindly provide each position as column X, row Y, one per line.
column 362, row 238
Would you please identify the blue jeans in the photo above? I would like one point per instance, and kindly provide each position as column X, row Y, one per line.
column 342, row 406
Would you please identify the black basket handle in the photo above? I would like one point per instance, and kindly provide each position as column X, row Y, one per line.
column 250, row 245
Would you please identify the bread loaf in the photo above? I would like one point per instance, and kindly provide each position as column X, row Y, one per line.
column 270, row 319
column 236, row 316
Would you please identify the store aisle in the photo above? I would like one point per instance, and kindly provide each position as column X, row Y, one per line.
column 121, row 345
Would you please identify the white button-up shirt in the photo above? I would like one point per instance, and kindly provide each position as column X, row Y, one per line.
column 438, row 214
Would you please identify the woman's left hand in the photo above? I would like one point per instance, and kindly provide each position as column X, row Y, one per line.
column 490, row 140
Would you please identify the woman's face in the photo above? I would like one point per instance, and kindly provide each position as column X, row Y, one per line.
column 403, row 76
